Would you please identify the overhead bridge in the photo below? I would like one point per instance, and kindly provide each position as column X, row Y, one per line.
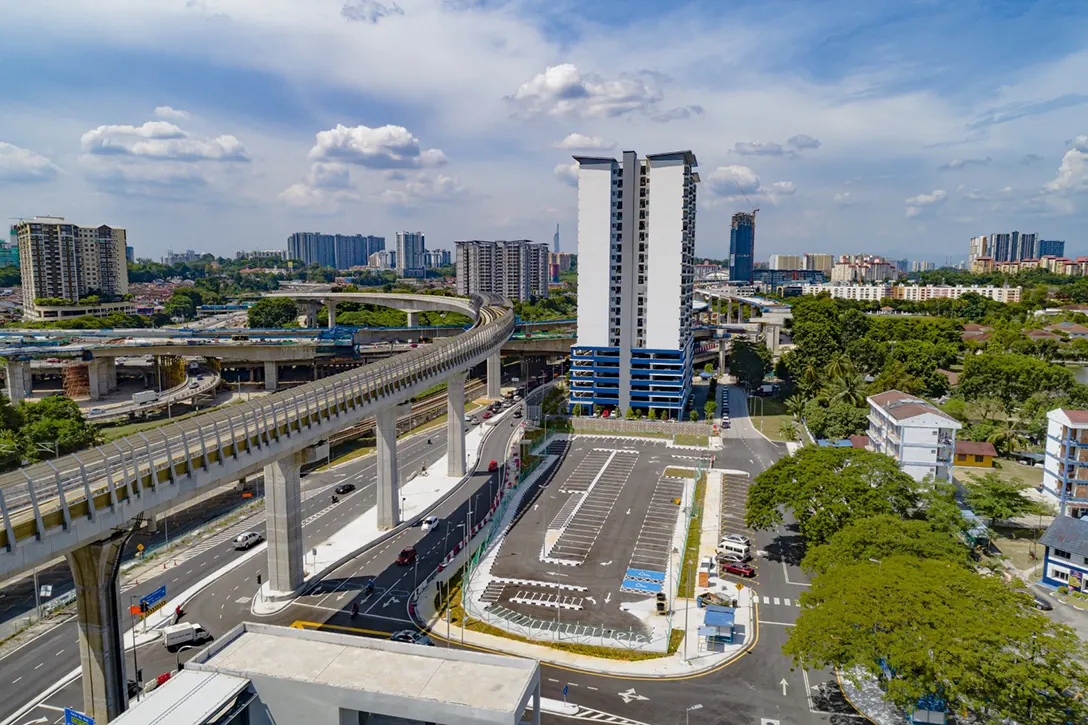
column 84, row 505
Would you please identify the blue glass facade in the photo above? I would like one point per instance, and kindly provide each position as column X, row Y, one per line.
column 742, row 247
column 1051, row 248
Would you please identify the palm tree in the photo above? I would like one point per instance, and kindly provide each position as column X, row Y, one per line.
column 1007, row 437
column 795, row 406
column 847, row 389
column 810, row 381
column 840, row 367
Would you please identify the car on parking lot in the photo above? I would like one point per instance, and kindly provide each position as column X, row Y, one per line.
column 428, row 523
column 247, row 539
column 406, row 556
column 1042, row 602
column 345, row 488
column 604, row 414
column 411, row 636
column 738, row 568
column 492, row 467
column 97, row 411
column 736, row 539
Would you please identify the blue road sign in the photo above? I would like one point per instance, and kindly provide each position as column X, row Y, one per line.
column 154, row 597
column 75, row 717
column 565, row 689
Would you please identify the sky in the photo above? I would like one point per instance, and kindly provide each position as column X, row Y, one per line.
column 896, row 127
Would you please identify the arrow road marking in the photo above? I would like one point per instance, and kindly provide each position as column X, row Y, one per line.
column 390, row 600
column 536, row 506
column 631, row 695
column 591, row 599
column 783, row 683
column 606, row 563
column 607, row 598
column 628, row 512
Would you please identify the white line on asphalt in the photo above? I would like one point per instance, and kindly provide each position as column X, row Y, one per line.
column 39, row 665
column 766, row 600
column 780, row 624
column 591, row 688
column 786, row 602
column 58, row 654
column 552, row 679
column 808, row 689
column 16, row 680
column 786, row 574
column 174, row 580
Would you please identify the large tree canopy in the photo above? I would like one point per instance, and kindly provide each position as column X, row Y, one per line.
column 270, row 312
column 942, row 629
column 827, row 488
column 1011, row 378
column 878, row 537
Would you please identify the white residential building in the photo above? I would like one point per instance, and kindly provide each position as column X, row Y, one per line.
column 919, row 436
column 818, row 262
column 636, row 246
column 516, row 269
column 860, row 292
column 921, row 293
column 1065, row 468
column 410, row 249
column 863, row 268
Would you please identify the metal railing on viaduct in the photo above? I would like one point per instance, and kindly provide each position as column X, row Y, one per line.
column 83, row 505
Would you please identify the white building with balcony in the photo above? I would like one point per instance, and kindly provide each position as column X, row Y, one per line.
column 919, row 436
column 1065, row 468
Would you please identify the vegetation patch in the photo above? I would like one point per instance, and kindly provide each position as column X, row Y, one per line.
column 691, row 545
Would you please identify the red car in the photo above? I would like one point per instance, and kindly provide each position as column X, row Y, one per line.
column 407, row 556
column 492, row 467
column 738, row 569
column 486, row 415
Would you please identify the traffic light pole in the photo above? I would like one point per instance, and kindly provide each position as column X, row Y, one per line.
column 135, row 664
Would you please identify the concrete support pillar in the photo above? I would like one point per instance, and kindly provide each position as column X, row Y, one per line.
column 15, row 373
column 388, row 485
column 728, row 312
column 309, row 312
column 95, row 567
column 283, row 525
column 494, row 377
column 772, row 337
column 331, row 305
column 455, row 424
column 152, row 523
column 271, row 375
column 111, row 373
column 721, row 356
column 98, row 377
column 413, row 318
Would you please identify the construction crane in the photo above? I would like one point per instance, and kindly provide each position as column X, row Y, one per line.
column 741, row 190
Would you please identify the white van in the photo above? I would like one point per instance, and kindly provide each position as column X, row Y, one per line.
column 184, row 633
column 735, row 550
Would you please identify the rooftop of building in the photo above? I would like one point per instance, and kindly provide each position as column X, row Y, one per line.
column 1069, row 417
column 1068, row 534
column 467, row 686
column 975, row 448
column 903, row 406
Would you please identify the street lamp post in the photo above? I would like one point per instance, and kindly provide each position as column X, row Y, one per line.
column 687, row 713
column 177, row 659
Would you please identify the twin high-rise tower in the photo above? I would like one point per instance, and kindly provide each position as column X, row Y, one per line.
column 636, row 249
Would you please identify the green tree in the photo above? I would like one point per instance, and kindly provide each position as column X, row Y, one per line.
column 895, row 376
column 1011, row 378
column 629, row 414
column 839, row 367
column 868, row 355
column 834, row 421
column 795, row 405
column 878, row 537
column 998, row 499
column 827, row 488
column 694, row 415
column 1007, row 437
column 849, row 389
column 54, row 424
column 749, row 362
column 270, row 312
column 929, row 626
column 957, row 408
column 710, row 409
column 577, row 409
column 788, row 430
column 708, row 369
column 652, row 415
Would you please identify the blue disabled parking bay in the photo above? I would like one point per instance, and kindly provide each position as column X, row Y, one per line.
column 645, row 575
column 632, row 585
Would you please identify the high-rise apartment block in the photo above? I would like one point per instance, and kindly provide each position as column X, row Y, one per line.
column 785, row 261
column 636, row 247
column 410, row 249
column 1004, row 247
column 130, row 254
column 437, row 258
column 818, row 262
column 1051, row 248
column 172, row 257
column 742, row 247
column 1065, row 481
column 339, row 251
column 922, row 265
column 64, row 261
column 863, row 268
column 382, row 259
column 516, row 270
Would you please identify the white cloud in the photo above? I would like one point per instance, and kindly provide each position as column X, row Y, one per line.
column 563, row 90
column 425, row 188
column 916, row 204
column 842, row 198
column 583, row 142
column 803, row 142
column 567, row 173
column 758, row 148
column 1073, row 173
column 166, row 182
column 168, row 112
column 328, row 176
column 23, row 166
column 733, row 183
column 369, row 11
column 316, row 200
column 160, row 140
column 955, row 164
column 386, row 147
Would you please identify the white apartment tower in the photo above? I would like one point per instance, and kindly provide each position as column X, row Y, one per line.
column 636, row 247
column 410, row 248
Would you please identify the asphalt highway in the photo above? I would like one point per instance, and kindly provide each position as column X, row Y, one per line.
column 36, row 665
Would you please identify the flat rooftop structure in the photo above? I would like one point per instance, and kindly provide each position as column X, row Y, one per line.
column 284, row 675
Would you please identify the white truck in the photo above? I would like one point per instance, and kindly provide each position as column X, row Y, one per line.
column 184, row 633
column 145, row 396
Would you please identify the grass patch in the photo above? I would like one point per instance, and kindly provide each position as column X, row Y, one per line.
column 1006, row 469
column 691, row 546
column 689, row 439
column 1016, row 544
column 672, row 472
column 769, row 416
column 449, row 597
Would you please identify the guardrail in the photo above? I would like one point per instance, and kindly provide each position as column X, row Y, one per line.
column 55, row 495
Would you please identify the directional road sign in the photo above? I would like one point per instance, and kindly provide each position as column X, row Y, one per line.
column 75, row 717
column 154, row 600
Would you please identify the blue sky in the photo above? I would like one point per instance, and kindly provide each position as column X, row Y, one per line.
column 885, row 127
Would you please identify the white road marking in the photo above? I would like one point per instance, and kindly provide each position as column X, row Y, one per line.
column 766, row 600
column 780, row 624
column 16, row 680
column 58, row 654
column 39, row 666
column 786, row 602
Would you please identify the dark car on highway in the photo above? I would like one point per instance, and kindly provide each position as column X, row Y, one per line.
column 738, row 568
column 407, row 556
column 345, row 488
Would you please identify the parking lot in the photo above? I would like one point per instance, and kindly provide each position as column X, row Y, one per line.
column 596, row 536
column 734, row 499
